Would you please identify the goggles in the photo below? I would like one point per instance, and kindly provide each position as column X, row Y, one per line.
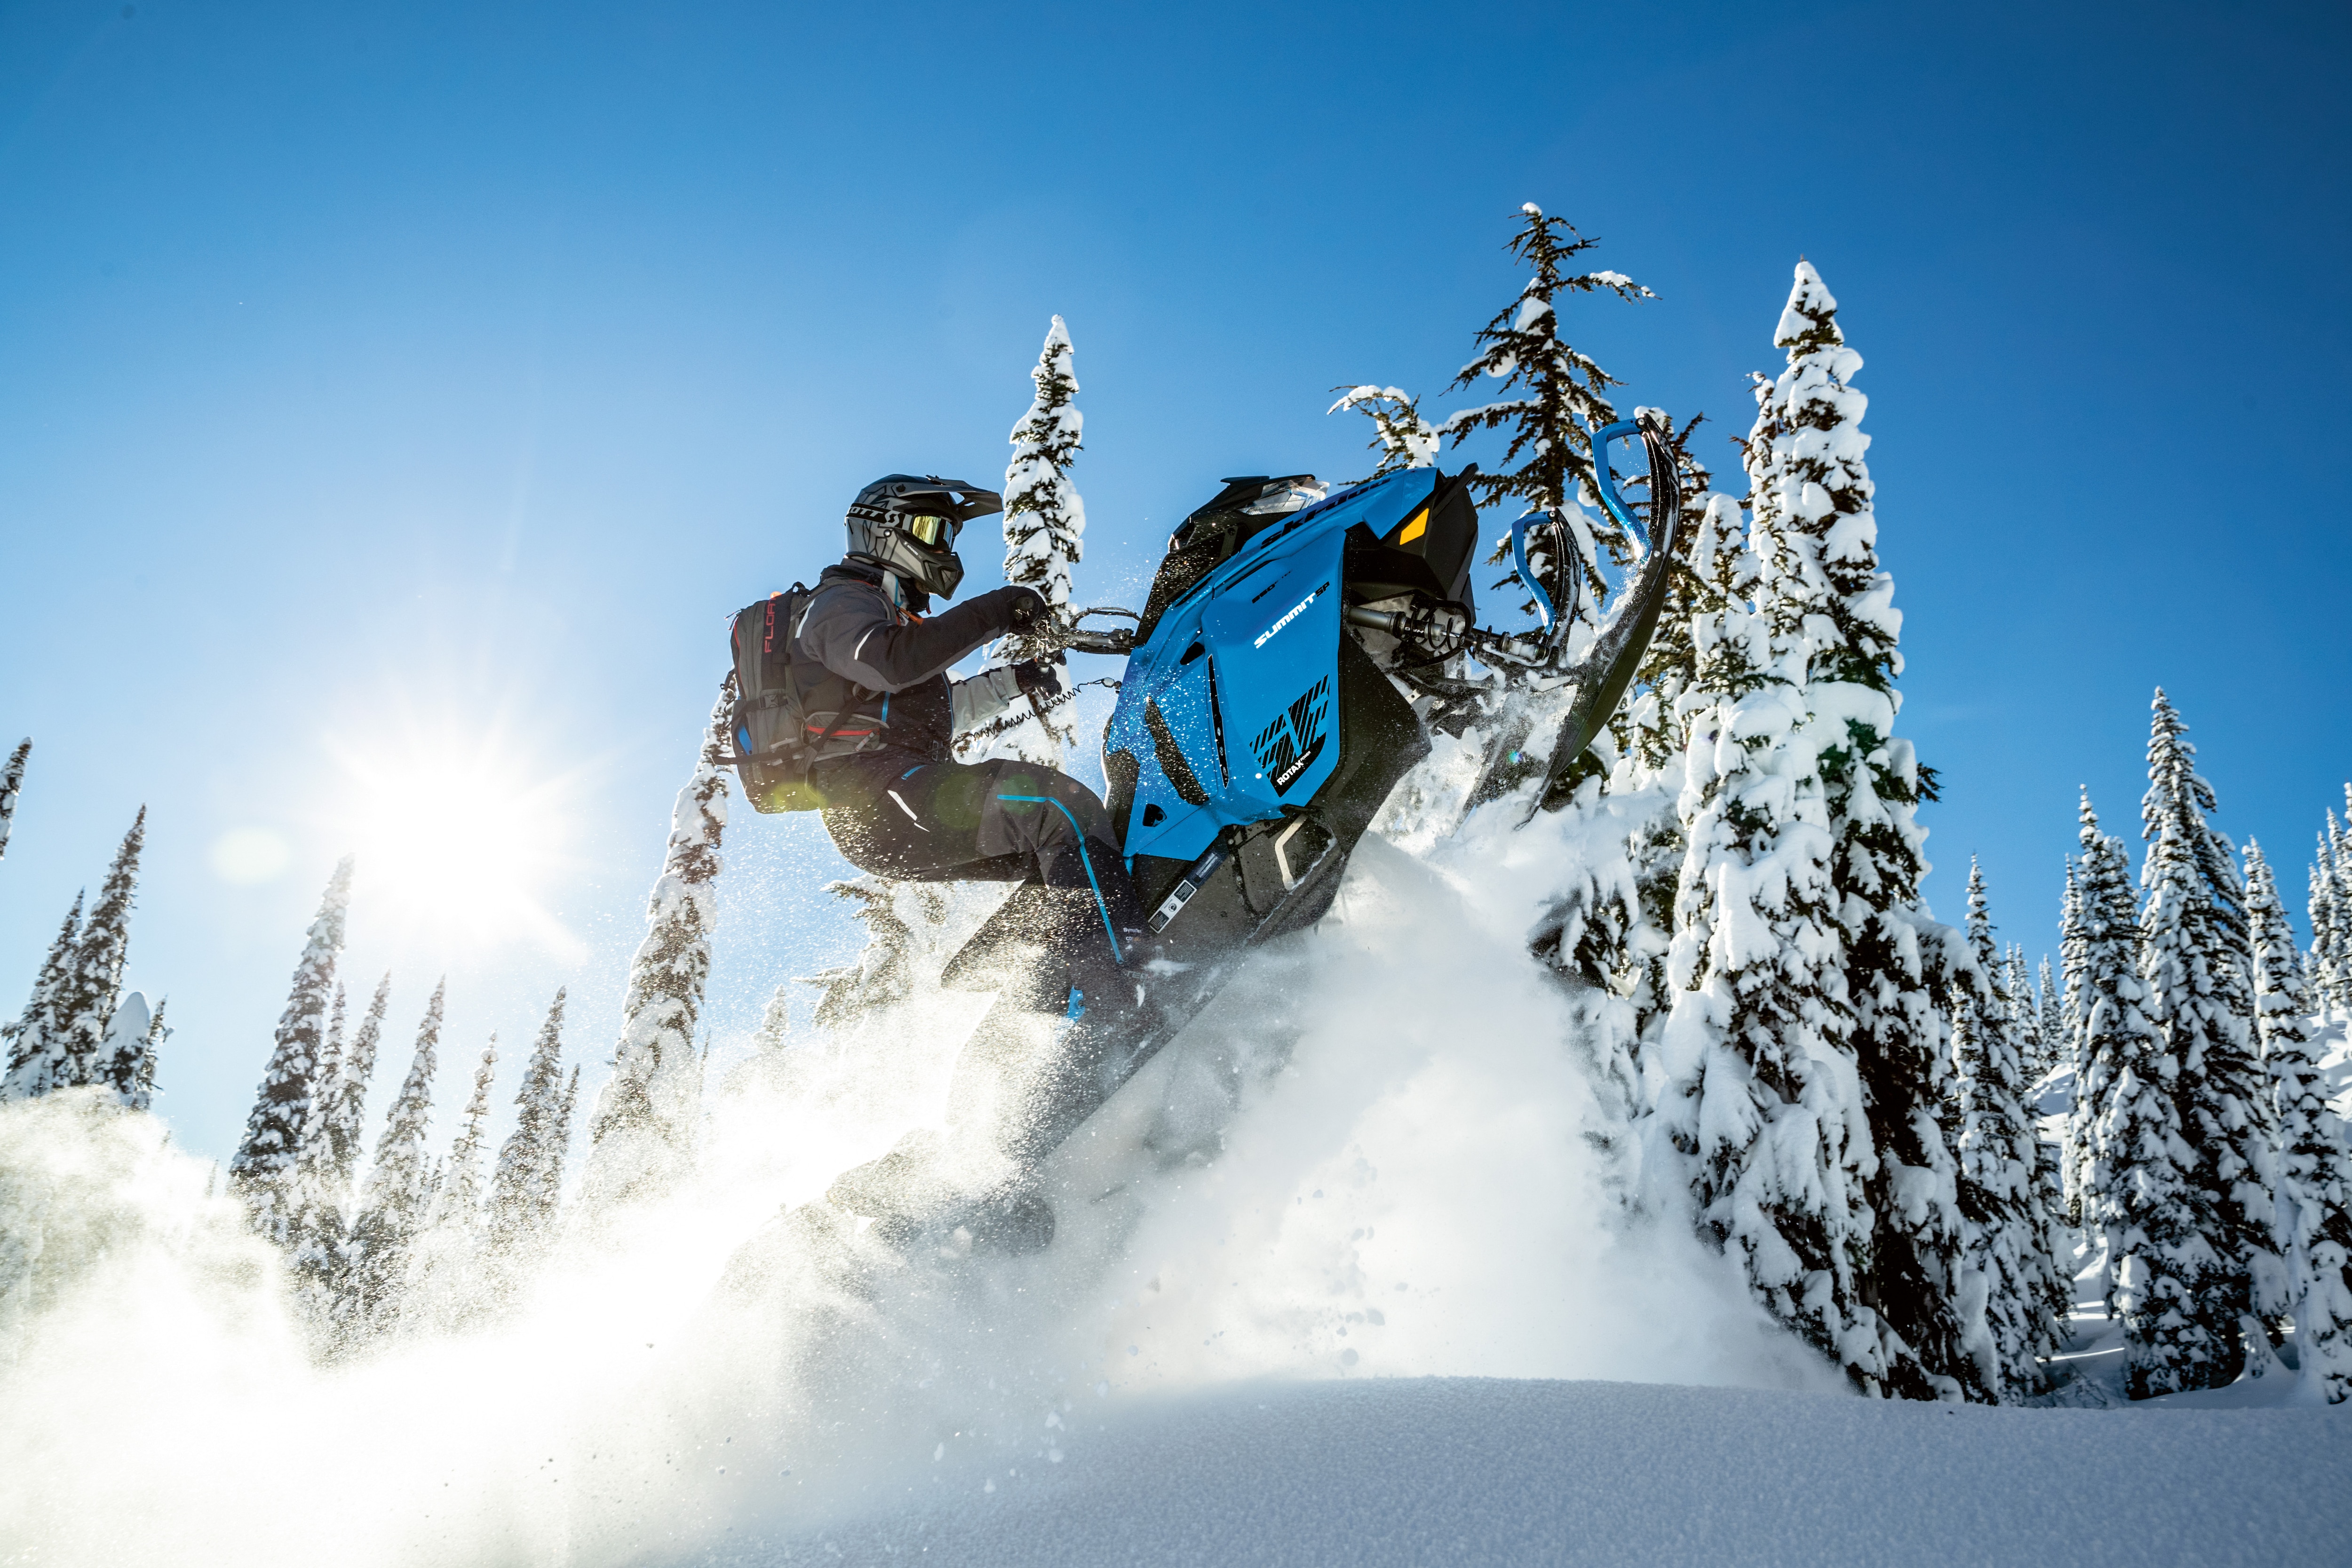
column 931, row 531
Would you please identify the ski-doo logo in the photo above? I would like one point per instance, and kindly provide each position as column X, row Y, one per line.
column 1287, row 748
column 1288, row 616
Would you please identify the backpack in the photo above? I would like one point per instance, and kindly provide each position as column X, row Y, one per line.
column 788, row 715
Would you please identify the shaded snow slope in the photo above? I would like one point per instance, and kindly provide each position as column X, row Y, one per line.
column 1454, row 1470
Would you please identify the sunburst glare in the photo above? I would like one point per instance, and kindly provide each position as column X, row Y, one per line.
column 457, row 838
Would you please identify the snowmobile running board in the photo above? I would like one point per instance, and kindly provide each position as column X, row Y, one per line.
column 1279, row 683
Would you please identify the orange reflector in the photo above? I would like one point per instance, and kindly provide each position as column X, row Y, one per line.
column 1414, row 529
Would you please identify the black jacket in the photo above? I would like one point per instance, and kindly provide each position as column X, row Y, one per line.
column 850, row 627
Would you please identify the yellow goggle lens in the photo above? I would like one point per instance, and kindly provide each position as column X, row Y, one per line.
column 927, row 531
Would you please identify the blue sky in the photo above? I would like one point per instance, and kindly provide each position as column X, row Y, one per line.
column 392, row 396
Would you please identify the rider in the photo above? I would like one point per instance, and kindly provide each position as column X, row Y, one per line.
column 897, row 805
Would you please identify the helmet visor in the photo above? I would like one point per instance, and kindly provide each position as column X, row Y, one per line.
column 932, row 532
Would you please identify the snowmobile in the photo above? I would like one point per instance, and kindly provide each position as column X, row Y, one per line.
column 1293, row 652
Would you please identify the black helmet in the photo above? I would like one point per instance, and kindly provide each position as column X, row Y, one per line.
column 908, row 523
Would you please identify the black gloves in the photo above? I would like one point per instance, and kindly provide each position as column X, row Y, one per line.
column 1010, row 609
column 1043, row 679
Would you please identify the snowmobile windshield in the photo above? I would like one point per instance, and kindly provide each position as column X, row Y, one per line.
column 1212, row 535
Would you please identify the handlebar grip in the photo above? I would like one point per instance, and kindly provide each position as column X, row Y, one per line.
column 1122, row 641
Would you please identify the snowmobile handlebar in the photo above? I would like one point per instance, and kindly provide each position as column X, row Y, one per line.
column 1434, row 625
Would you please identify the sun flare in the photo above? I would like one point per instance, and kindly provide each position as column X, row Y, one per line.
column 459, row 840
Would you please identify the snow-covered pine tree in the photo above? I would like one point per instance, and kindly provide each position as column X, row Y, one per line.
column 2198, row 964
column 2073, row 952
column 12, row 784
column 1750, row 1091
column 2314, row 1210
column 1829, row 609
column 1399, row 435
column 893, row 914
column 2135, row 1186
column 33, row 1038
column 324, row 1167
column 772, row 1066
column 391, row 1201
column 140, row 1092
column 1044, row 522
column 2024, row 1015
column 262, row 1170
column 122, row 1061
column 93, row 982
column 641, row 1133
column 458, row 1201
column 2050, row 1020
column 2015, row 1294
column 2331, row 915
column 529, row 1170
column 1549, row 458
column 1649, row 726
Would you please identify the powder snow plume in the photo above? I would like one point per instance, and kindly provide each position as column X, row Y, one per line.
column 1370, row 1161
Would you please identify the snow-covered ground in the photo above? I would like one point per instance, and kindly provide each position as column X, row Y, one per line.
column 1340, row 1278
column 1413, row 1471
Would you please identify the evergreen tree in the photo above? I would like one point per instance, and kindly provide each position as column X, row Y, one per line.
column 122, row 1057
column 2013, row 1267
column 2135, row 1186
column 1549, row 458
column 896, row 916
column 529, row 1171
column 137, row 1086
column 458, row 1201
column 2197, row 963
column 2331, row 914
column 1829, row 609
column 33, row 1046
column 93, row 982
column 1649, row 726
column 641, row 1132
column 2314, row 1213
column 1399, row 435
column 1750, row 1092
column 262, row 1170
column 2052, row 1021
column 2024, row 1016
column 12, row 784
column 391, row 1202
column 330, row 1154
column 2073, row 950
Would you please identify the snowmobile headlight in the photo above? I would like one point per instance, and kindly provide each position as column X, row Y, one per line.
column 931, row 532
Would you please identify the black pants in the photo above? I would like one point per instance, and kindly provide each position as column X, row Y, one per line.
column 985, row 822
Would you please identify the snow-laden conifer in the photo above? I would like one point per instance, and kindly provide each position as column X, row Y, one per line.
column 1751, row 1094
column 34, row 1055
column 392, row 1201
column 772, row 1065
column 2024, row 1014
column 2313, row 1208
column 2015, row 1295
column 1399, row 435
column 12, row 784
column 2135, row 1184
column 458, row 1201
column 93, row 982
column 1564, row 391
column 2197, row 963
column 2331, row 914
column 529, row 1171
column 137, row 1086
column 896, row 916
column 262, row 1170
column 2050, row 1020
column 641, row 1132
column 1829, row 609
column 124, row 1064
column 1650, row 725
column 320, row 1233
column 1044, row 525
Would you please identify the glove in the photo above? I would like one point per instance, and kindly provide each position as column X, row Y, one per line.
column 1014, row 609
column 1043, row 679
column 1028, row 610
